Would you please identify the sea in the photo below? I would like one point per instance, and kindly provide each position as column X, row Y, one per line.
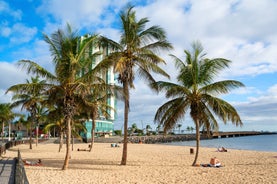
column 267, row 143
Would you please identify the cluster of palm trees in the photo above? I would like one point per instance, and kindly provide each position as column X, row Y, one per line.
column 134, row 129
column 6, row 116
column 76, row 91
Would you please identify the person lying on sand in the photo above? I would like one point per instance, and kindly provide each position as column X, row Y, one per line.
column 114, row 145
column 222, row 149
column 214, row 162
column 82, row 149
column 38, row 163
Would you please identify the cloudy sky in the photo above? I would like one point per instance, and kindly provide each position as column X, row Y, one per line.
column 243, row 31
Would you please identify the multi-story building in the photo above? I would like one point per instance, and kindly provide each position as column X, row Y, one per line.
column 104, row 126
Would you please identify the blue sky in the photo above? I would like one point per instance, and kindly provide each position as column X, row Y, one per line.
column 243, row 31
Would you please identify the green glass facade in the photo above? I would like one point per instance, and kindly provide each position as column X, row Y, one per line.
column 103, row 126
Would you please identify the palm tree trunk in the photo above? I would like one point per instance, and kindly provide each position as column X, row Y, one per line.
column 61, row 141
column 3, row 132
column 126, row 112
column 92, row 133
column 9, row 131
column 36, row 135
column 197, row 140
column 72, row 143
column 30, row 139
column 68, row 138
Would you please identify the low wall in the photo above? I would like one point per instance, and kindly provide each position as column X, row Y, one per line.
column 161, row 138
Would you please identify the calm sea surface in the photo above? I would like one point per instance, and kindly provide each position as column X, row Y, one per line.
column 258, row 143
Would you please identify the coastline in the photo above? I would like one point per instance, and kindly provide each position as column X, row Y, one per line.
column 152, row 139
column 147, row 163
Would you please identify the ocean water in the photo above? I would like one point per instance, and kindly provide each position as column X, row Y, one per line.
column 258, row 143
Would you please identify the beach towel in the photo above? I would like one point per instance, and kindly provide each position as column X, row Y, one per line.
column 210, row 165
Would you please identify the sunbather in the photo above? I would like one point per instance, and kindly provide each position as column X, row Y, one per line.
column 81, row 149
column 222, row 149
column 38, row 163
column 214, row 162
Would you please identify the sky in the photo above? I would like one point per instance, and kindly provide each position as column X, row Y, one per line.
column 243, row 31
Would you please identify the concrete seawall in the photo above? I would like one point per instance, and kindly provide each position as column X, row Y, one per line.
column 175, row 138
column 148, row 139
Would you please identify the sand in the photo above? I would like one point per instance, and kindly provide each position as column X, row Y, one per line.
column 146, row 164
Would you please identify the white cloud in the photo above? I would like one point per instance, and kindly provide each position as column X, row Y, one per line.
column 5, row 31
column 237, row 30
column 109, row 33
column 5, row 9
column 88, row 13
column 242, row 31
column 261, row 109
column 22, row 34
column 10, row 75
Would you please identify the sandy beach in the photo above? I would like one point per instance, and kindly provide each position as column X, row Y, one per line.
column 147, row 163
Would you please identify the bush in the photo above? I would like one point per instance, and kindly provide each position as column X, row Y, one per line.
column 118, row 132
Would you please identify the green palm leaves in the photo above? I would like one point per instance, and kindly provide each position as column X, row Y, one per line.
column 76, row 82
column 136, row 51
column 196, row 92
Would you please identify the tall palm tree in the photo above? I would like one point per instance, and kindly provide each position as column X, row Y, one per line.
column 71, row 82
column 136, row 50
column 29, row 96
column 69, row 58
column 197, row 92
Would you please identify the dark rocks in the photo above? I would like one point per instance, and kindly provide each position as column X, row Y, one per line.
column 160, row 138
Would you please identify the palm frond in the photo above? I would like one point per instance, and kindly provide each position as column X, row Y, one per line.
column 36, row 69
column 221, row 87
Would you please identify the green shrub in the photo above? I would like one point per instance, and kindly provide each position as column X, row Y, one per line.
column 118, row 132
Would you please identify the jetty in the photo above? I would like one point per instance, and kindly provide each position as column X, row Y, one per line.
column 239, row 134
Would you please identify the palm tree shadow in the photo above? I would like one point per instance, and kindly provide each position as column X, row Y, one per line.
column 79, row 164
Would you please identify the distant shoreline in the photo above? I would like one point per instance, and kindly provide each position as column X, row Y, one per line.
column 152, row 139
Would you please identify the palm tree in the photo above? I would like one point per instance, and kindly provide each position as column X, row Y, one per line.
column 196, row 91
column 59, row 126
column 41, row 117
column 29, row 96
column 70, row 58
column 96, row 105
column 158, row 128
column 148, row 128
column 23, row 122
column 136, row 50
column 6, row 115
column 179, row 127
column 71, row 82
column 134, row 128
column 190, row 129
